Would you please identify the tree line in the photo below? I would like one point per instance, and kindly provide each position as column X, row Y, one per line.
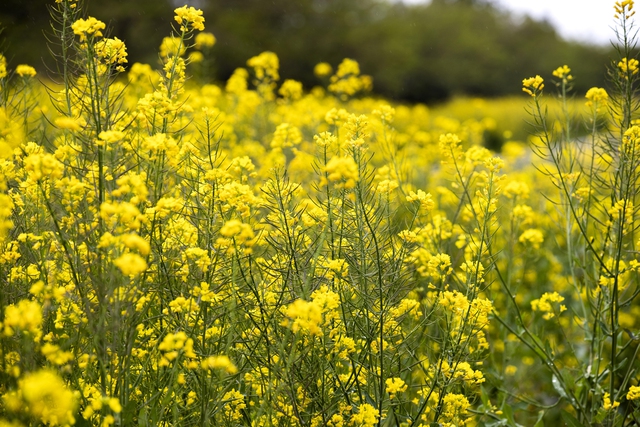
column 417, row 53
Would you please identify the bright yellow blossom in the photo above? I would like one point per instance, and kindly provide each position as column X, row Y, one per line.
column 633, row 393
column 343, row 171
column 25, row 70
column 204, row 41
column 533, row 85
column 188, row 15
column 90, row 27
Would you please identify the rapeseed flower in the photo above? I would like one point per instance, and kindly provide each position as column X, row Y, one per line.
column 563, row 73
column 88, row 28
column 533, row 85
column 342, row 171
column 25, row 317
column 624, row 9
column 544, row 304
column 172, row 46
column 367, row 416
column 322, row 69
column 130, row 264
column 112, row 52
column 24, row 71
column 189, row 16
column 628, row 67
column 633, row 393
column 395, row 386
column 606, row 402
column 265, row 66
column 204, row 41
column 533, row 237
column 44, row 395
column 3, row 66
column 596, row 96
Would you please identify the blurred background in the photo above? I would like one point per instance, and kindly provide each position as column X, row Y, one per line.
column 425, row 51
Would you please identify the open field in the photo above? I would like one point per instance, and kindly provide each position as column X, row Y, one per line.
column 174, row 253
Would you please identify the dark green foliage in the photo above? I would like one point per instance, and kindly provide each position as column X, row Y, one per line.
column 421, row 53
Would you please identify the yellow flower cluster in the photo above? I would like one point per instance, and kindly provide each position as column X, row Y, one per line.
column 533, row 85
column 596, row 96
column 624, row 9
column 544, row 304
column 3, row 66
column 606, row 402
column 204, row 41
column 44, row 396
column 628, row 67
column 112, row 52
column 633, row 393
column 342, row 172
column 23, row 71
column 248, row 252
column 88, row 28
column 395, row 386
column 310, row 316
column 367, row 416
column 347, row 80
column 25, row 317
column 563, row 73
column 322, row 69
column 188, row 16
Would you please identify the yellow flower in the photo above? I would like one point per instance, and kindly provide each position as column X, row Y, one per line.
column 233, row 402
column 628, row 67
column 3, row 66
column 347, row 80
column 543, row 304
column 47, row 397
column 306, row 316
column 325, row 139
column 172, row 46
column 112, row 52
column 341, row 170
column 367, row 416
column 241, row 232
column 90, row 27
column 205, row 40
column 42, row 166
column 395, row 386
column 633, row 393
column 265, row 65
column 322, row 69
column 606, row 402
column 67, row 123
column 25, row 70
column 134, row 241
column 219, row 362
column 425, row 199
column 186, row 15
column 533, row 237
column 291, row 89
column 25, row 316
column 596, row 95
column 450, row 145
column 624, row 8
column 533, row 85
column 130, row 264
column 286, row 136
column 563, row 73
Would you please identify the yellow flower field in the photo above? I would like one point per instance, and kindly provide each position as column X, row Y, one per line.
column 250, row 254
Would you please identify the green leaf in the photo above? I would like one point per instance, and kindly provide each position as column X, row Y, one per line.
column 570, row 420
column 539, row 423
column 143, row 418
